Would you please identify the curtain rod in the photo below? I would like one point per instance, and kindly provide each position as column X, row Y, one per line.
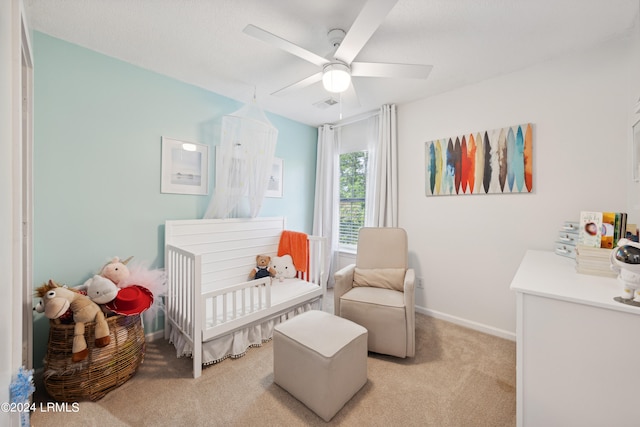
column 355, row 119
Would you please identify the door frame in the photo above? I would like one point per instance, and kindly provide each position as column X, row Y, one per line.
column 27, row 195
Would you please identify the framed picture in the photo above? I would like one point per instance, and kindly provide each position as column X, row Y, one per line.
column 274, row 188
column 636, row 152
column 496, row 161
column 185, row 167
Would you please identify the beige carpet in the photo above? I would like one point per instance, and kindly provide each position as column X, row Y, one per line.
column 459, row 377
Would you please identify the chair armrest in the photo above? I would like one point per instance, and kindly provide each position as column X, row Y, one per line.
column 343, row 283
column 409, row 303
column 410, row 283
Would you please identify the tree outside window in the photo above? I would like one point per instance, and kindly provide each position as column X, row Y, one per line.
column 353, row 184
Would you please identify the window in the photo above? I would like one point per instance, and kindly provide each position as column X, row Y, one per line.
column 353, row 184
column 354, row 155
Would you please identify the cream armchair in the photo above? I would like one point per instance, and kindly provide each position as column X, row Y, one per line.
column 378, row 291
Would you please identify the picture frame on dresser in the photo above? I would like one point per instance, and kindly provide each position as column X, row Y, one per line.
column 635, row 168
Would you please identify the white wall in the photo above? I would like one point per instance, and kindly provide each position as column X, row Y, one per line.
column 634, row 191
column 467, row 248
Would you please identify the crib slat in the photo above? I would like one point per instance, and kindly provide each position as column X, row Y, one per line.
column 235, row 305
column 213, row 306
column 244, row 302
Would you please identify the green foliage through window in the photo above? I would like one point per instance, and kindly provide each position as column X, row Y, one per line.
column 353, row 185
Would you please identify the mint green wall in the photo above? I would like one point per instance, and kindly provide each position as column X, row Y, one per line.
column 98, row 127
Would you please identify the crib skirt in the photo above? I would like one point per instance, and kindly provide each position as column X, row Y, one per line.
column 237, row 343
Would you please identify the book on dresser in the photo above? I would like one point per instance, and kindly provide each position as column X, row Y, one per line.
column 601, row 229
column 590, row 229
column 595, row 261
column 608, row 227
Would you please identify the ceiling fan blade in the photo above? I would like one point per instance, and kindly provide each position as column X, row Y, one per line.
column 367, row 22
column 299, row 85
column 399, row 71
column 285, row 45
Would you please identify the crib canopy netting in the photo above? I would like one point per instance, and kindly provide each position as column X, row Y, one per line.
column 247, row 148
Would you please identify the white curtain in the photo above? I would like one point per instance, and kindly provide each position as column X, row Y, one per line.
column 325, row 216
column 382, row 175
column 245, row 158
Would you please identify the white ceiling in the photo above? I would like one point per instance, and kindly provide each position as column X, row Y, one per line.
column 201, row 42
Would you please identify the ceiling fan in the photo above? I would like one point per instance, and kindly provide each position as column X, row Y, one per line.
column 336, row 71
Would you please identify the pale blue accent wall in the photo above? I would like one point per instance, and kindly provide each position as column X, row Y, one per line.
column 98, row 128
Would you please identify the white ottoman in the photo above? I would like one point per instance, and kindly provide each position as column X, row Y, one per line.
column 320, row 359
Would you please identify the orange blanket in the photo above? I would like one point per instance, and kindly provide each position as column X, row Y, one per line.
column 295, row 244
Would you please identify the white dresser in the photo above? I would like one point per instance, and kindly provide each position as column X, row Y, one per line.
column 578, row 350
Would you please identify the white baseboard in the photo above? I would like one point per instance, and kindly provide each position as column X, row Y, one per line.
column 468, row 323
column 432, row 313
column 154, row 335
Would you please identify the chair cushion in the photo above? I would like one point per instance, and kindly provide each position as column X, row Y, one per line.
column 377, row 296
column 386, row 278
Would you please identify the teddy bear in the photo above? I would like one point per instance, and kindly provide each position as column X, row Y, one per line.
column 262, row 268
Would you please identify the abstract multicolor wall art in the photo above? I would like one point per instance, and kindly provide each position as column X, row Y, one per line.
column 494, row 161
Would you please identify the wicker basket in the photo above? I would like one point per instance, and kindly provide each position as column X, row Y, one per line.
column 103, row 370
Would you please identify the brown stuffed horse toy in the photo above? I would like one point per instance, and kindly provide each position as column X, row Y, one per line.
column 56, row 300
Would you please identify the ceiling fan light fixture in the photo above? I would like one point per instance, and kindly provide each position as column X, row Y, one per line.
column 336, row 77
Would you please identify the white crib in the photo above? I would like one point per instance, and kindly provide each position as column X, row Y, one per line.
column 212, row 311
